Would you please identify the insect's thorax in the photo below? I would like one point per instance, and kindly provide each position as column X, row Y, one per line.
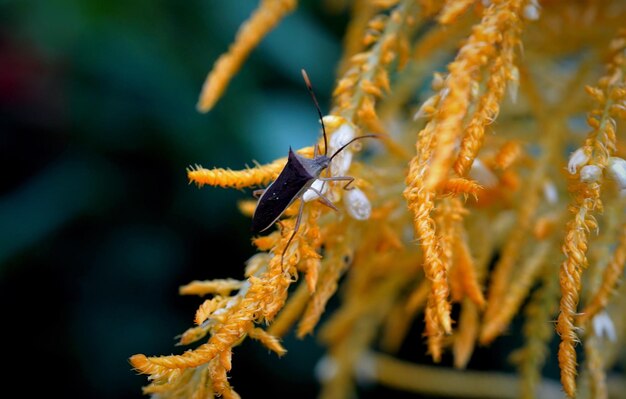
column 313, row 166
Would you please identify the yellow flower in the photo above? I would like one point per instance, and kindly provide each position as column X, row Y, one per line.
column 468, row 201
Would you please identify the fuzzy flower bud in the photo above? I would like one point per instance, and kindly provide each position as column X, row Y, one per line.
column 357, row 204
column 310, row 195
column 576, row 160
column 550, row 192
column 617, row 170
column 531, row 10
column 590, row 173
column 482, row 174
column 603, row 326
column 326, row 368
column 365, row 369
column 341, row 162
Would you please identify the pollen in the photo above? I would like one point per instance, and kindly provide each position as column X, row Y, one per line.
column 357, row 204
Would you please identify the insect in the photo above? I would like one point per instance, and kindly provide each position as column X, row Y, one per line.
column 295, row 179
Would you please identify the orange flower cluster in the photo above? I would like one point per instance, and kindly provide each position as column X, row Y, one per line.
column 482, row 196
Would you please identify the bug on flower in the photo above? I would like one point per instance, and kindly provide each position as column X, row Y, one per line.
column 295, row 179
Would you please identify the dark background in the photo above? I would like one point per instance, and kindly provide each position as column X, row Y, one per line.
column 98, row 224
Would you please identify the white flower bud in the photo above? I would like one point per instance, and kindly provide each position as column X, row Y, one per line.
column 326, row 369
column 617, row 170
column 365, row 369
column 482, row 174
column 341, row 162
column 603, row 326
column 531, row 10
column 550, row 192
column 576, row 160
column 310, row 195
column 590, row 173
column 357, row 204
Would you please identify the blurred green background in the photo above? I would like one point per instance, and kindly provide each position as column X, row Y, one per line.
column 98, row 224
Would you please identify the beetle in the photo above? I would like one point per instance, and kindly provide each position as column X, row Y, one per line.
column 295, row 179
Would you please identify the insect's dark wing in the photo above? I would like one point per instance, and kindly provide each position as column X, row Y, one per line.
column 280, row 194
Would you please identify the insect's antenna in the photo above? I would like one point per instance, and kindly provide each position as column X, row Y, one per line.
column 317, row 106
column 352, row 141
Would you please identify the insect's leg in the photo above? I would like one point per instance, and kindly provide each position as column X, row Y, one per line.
column 316, row 151
column 323, row 184
column 295, row 230
column 258, row 193
column 323, row 199
column 346, row 186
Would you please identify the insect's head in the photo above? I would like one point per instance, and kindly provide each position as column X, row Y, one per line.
column 324, row 160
